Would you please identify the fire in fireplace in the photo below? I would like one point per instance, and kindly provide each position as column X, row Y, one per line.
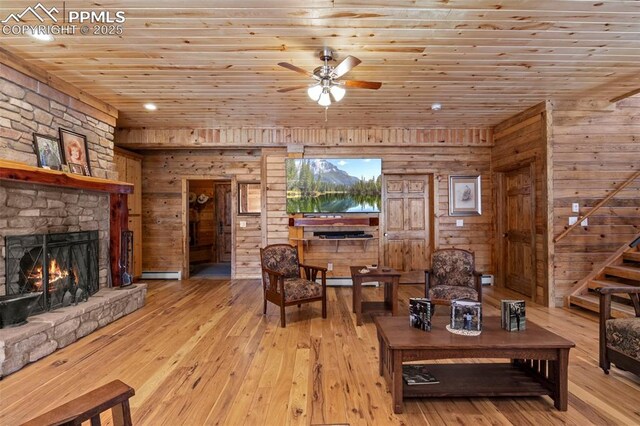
column 64, row 267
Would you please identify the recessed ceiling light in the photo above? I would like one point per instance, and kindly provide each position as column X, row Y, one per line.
column 436, row 106
column 150, row 107
column 38, row 35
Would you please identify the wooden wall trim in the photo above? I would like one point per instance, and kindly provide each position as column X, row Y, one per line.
column 87, row 103
column 548, row 194
column 126, row 153
column 519, row 120
column 137, row 138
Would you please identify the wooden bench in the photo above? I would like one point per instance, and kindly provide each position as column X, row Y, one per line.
column 114, row 395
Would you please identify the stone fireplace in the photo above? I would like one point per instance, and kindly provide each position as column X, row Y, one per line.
column 56, row 240
column 63, row 267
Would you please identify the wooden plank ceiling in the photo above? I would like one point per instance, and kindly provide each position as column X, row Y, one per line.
column 207, row 66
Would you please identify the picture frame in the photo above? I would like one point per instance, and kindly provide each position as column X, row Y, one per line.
column 465, row 195
column 249, row 198
column 76, row 168
column 75, row 149
column 48, row 152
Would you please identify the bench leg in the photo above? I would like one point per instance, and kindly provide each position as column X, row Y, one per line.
column 121, row 414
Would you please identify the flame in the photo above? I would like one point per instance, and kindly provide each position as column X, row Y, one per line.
column 55, row 274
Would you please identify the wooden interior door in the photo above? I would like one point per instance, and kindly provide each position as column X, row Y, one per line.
column 408, row 218
column 223, row 221
column 517, row 249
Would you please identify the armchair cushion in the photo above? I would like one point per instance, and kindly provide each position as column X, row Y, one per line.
column 451, row 292
column 623, row 335
column 300, row 289
column 282, row 258
column 452, row 268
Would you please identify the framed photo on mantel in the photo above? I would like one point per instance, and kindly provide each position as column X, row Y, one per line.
column 75, row 149
column 464, row 196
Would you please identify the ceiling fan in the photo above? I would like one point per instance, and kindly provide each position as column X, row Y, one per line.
column 327, row 84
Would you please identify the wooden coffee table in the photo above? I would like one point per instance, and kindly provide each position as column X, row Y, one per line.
column 391, row 280
column 539, row 361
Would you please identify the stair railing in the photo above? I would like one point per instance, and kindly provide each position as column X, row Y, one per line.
column 596, row 207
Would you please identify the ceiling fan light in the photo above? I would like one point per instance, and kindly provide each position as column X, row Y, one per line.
column 337, row 92
column 314, row 92
column 325, row 99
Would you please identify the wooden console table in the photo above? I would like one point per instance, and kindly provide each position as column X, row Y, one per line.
column 539, row 361
column 391, row 280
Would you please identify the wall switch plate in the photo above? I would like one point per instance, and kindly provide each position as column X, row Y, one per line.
column 575, row 207
column 243, row 224
column 459, row 222
column 584, row 222
column 329, row 266
column 573, row 219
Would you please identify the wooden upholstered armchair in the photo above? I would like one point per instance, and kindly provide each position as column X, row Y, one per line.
column 283, row 284
column 619, row 337
column 452, row 276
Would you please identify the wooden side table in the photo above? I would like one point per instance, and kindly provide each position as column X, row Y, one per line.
column 391, row 280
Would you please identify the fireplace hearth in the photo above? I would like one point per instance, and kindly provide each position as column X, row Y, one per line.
column 63, row 267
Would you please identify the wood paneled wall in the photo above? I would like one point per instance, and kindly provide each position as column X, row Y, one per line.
column 162, row 175
column 455, row 156
column 279, row 136
column 521, row 140
column 596, row 147
column 423, row 151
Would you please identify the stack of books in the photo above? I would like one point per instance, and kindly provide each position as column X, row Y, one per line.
column 414, row 374
column 513, row 316
column 466, row 315
column 420, row 313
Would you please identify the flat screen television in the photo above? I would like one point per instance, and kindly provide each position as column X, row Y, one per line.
column 334, row 185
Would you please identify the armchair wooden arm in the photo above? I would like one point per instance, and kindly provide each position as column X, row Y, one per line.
column 427, row 281
column 275, row 277
column 610, row 355
column 311, row 272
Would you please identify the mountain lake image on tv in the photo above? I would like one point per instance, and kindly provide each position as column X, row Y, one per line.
column 346, row 185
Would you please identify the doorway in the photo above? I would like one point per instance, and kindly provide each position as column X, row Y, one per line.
column 208, row 228
column 516, row 266
column 407, row 241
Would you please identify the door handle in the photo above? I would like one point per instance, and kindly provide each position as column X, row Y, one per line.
column 385, row 234
column 505, row 235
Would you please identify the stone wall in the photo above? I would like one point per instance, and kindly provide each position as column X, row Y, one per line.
column 35, row 209
column 28, row 106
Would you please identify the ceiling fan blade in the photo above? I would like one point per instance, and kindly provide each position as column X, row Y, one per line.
column 289, row 89
column 296, row 69
column 375, row 85
column 345, row 66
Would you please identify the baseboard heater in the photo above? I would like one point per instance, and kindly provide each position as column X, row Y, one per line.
column 167, row 275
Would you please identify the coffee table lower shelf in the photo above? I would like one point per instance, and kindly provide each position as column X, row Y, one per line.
column 477, row 380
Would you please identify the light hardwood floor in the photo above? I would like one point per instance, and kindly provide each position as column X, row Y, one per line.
column 200, row 352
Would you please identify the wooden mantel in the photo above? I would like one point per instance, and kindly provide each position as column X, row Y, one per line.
column 118, row 212
column 12, row 170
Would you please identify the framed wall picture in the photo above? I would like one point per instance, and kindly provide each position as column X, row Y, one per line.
column 48, row 152
column 75, row 149
column 464, row 196
column 76, row 168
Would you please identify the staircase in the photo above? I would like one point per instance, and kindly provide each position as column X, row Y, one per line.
column 620, row 270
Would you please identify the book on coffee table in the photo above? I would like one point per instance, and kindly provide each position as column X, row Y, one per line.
column 418, row 375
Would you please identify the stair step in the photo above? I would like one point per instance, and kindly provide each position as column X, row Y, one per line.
column 593, row 284
column 592, row 302
column 633, row 256
column 628, row 272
